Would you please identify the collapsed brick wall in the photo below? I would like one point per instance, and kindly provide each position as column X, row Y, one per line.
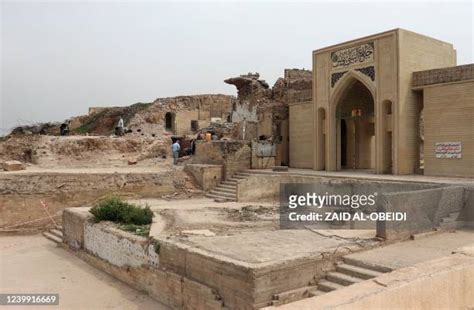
column 233, row 155
column 296, row 86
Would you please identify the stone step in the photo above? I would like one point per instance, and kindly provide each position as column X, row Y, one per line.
column 222, row 185
column 358, row 272
column 224, row 190
column 234, row 183
column 315, row 293
column 365, row 265
column 242, row 174
column 451, row 226
column 234, row 179
column 238, row 176
column 293, row 295
column 229, row 195
column 341, row 278
column 454, row 215
column 448, row 220
column 52, row 237
column 56, row 232
column 328, row 286
column 220, row 197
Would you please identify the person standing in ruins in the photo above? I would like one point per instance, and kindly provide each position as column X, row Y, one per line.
column 175, row 147
column 119, row 129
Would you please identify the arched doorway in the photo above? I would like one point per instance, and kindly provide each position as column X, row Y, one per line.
column 169, row 121
column 355, row 121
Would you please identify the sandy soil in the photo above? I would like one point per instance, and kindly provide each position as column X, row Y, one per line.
column 33, row 264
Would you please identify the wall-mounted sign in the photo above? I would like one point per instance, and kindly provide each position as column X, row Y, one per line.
column 265, row 149
column 448, row 150
column 353, row 55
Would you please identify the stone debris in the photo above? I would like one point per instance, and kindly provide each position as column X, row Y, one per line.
column 13, row 165
column 198, row 232
column 132, row 161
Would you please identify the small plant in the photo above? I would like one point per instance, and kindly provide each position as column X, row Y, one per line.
column 116, row 210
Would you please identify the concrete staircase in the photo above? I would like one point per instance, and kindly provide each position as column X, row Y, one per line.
column 450, row 222
column 348, row 272
column 294, row 295
column 55, row 234
column 227, row 190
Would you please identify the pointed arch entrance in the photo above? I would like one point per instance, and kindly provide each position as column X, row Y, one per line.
column 353, row 134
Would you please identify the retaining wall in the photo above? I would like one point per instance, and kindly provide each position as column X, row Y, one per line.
column 425, row 204
column 206, row 176
column 424, row 208
column 444, row 283
column 21, row 194
column 189, row 277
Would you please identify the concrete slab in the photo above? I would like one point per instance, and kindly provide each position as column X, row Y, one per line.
column 411, row 252
column 347, row 233
column 271, row 246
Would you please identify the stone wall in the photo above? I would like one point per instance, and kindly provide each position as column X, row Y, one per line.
column 21, row 194
column 118, row 247
column 206, row 176
column 443, row 75
column 183, row 122
column 416, row 52
column 424, row 210
column 133, row 260
column 266, row 187
column 301, row 135
column 449, row 117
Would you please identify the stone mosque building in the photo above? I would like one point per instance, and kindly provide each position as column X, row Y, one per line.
column 390, row 103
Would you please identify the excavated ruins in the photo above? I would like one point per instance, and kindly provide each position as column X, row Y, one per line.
column 216, row 240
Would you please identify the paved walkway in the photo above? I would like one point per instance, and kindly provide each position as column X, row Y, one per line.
column 408, row 253
column 367, row 175
column 33, row 264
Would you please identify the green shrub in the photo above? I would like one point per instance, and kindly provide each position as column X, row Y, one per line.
column 116, row 210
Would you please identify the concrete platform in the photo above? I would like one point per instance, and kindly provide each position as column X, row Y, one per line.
column 408, row 253
column 368, row 175
column 273, row 247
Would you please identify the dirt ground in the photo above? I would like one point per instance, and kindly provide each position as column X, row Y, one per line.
column 32, row 264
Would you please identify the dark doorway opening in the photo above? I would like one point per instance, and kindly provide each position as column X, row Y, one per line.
column 169, row 121
column 343, row 143
column 194, row 125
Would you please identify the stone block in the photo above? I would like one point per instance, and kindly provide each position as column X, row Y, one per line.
column 13, row 165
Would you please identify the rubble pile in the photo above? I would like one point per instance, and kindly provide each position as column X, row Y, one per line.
column 250, row 88
column 295, row 86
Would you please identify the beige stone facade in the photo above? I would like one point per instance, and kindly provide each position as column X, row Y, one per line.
column 448, row 105
column 365, row 114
